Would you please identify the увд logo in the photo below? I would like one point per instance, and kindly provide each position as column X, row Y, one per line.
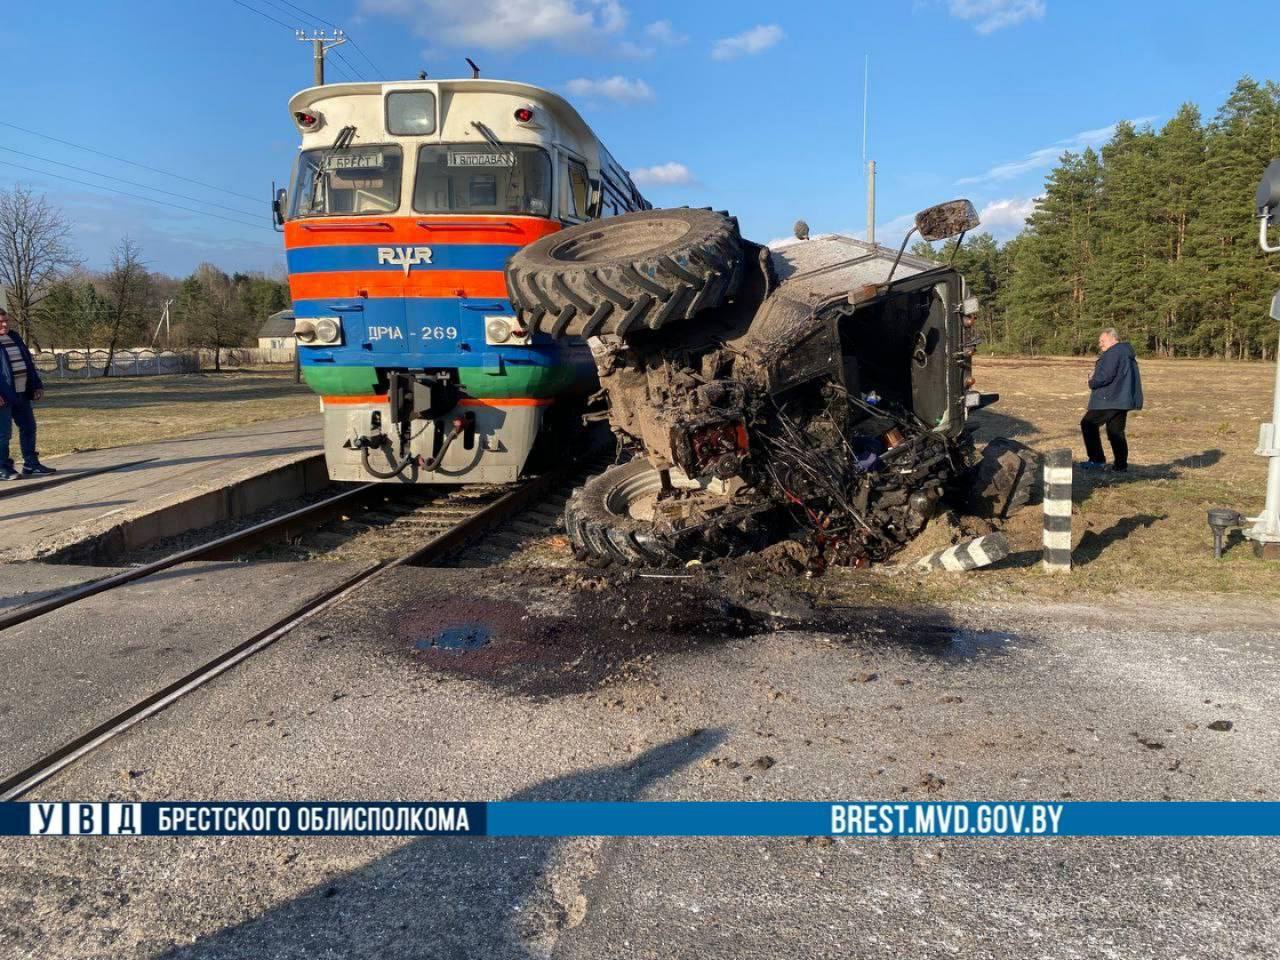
column 406, row 257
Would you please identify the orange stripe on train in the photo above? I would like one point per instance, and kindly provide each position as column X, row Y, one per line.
column 426, row 229
column 389, row 283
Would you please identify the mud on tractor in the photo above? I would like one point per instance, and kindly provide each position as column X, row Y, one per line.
column 816, row 393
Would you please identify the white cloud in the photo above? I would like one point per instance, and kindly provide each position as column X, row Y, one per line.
column 1005, row 218
column 613, row 88
column 635, row 51
column 505, row 24
column 989, row 16
column 663, row 174
column 755, row 40
column 663, row 32
column 1046, row 157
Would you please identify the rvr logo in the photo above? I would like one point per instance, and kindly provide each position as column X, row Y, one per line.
column 407, row 257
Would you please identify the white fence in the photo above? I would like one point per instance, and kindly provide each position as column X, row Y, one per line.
column 246, row 356
column 83, row 364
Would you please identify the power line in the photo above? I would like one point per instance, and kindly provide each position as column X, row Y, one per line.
column 360, row 50
column 348, row 65
column 308, row 13
column 132, row 183
column 125, row 193
column 132, row 163
column 261, row 14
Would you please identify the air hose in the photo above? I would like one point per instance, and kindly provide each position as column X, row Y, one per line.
column 426, row 465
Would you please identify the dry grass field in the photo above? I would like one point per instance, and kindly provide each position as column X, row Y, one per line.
column 1190, row 449
column 92, row 414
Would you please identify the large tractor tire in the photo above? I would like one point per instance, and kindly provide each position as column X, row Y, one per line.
column 611, row 519
column 638, row 271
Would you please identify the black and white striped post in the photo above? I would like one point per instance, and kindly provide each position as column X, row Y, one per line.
column 968, row 555
column 1057, row 511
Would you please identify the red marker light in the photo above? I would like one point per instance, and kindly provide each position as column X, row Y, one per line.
column 305, row 119
column 524, row 114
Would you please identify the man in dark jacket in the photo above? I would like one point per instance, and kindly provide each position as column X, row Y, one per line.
column 20, row 384
column 1117, row 389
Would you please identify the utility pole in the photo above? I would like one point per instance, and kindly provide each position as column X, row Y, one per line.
column 163, row 324
column 320, row 45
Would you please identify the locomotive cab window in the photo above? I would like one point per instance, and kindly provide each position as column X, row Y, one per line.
column 411, row 113
column 477, row 178
column 355, row 180
column 577, row 191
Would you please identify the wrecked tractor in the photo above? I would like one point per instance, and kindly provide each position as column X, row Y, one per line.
column 813, row 395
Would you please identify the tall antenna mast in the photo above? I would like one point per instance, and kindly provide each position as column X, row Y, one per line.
column 868, row 165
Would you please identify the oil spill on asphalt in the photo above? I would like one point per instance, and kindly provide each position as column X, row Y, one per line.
column 547, row 633
column 467, row 636
column 564, row 637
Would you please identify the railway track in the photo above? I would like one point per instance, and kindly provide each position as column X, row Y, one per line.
column 448, row 520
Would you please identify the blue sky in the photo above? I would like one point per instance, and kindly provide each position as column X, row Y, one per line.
column 750, row 106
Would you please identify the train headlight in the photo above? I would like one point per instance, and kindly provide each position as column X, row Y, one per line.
column 498, row 330
column 328, row 330
column 304, row 331
column 505, row 330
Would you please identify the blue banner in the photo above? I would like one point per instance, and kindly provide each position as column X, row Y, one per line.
column 644, row 819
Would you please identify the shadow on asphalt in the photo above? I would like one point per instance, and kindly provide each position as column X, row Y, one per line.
column 446, row 897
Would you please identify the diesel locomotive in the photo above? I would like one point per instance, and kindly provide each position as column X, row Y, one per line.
column 406, row 201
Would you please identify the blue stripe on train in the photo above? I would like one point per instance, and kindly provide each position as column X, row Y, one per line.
column 453, row 256
column 425, row 316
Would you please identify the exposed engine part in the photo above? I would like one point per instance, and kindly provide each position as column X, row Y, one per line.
column 814, row 399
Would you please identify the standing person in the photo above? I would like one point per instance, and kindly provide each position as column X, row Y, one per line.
column 20, row 385
column 1116, row 389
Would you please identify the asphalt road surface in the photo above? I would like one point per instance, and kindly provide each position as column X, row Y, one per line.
column 582, row 688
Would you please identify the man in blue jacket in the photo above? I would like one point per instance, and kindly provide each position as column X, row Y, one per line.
column 1116, row 389
column 20, row 384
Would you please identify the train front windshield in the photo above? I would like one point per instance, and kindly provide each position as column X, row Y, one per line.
column 471, row 178
column 448, row 178
column 357, row 180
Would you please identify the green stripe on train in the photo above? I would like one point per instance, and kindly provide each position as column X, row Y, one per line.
column 511, row 380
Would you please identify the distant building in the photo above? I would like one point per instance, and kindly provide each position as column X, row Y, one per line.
column 277, row 332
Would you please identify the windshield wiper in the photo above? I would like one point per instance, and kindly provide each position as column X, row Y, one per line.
column 341, row 142
column 490, row 137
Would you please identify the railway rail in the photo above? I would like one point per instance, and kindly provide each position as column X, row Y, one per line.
column 450, row 520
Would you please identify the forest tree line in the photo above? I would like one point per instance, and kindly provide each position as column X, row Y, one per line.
column 55, row 302
column 1155, row 234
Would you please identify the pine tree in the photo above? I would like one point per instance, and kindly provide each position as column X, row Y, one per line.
column 1048, row 304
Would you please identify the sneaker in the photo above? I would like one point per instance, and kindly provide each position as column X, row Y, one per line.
column 39, row 470
column 1093, row 465
column 8, row 473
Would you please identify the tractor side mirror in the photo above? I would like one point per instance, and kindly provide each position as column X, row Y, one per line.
column 947, row 220
column 1275, row 306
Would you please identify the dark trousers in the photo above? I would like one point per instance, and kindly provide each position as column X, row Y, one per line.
column 1114, row 420
column 21, row 414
